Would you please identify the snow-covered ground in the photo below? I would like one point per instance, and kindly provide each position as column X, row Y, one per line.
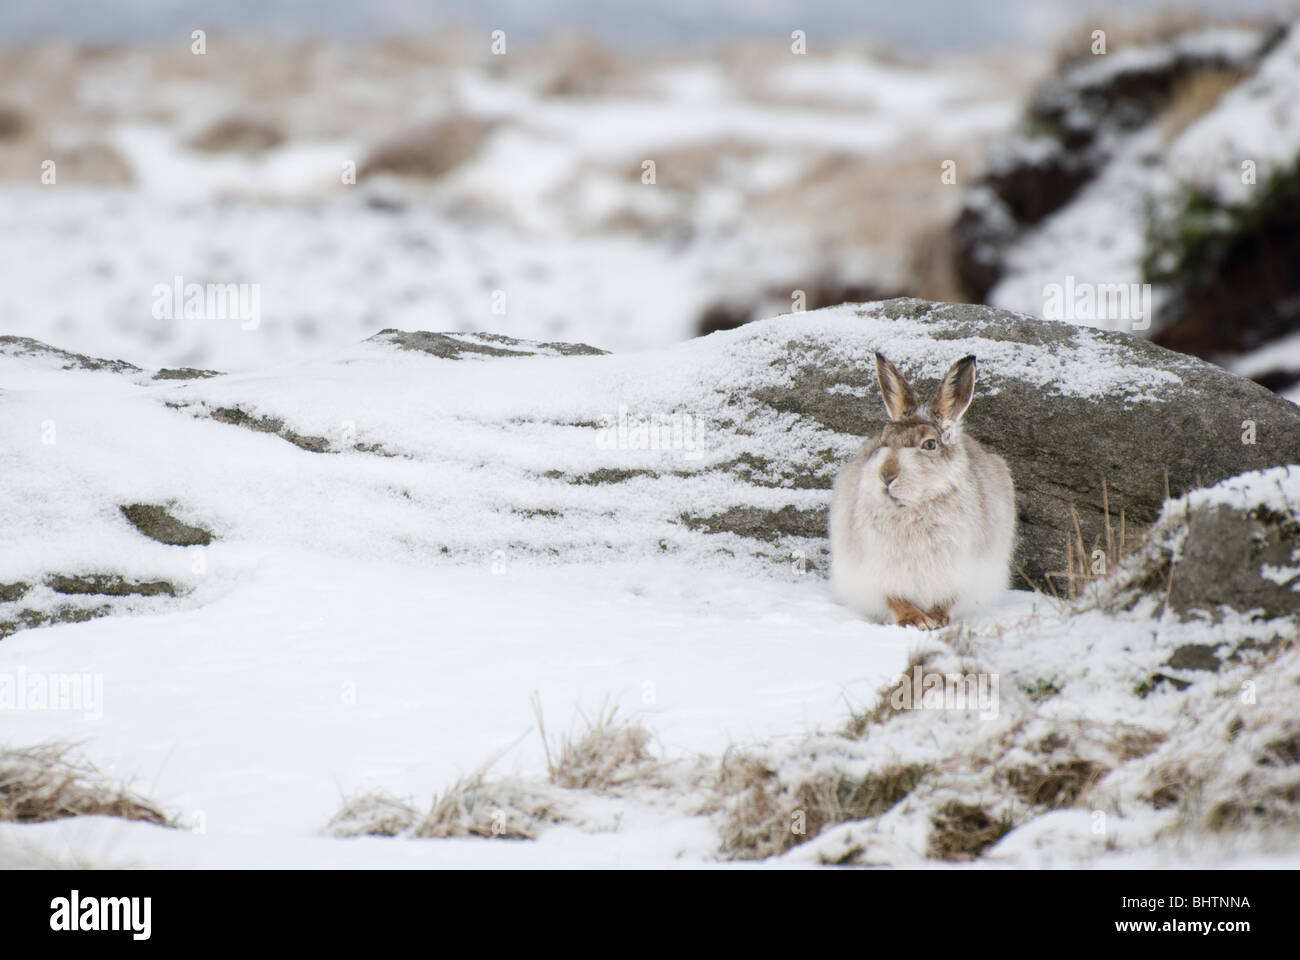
column 315, row 677
column 329, row 646
column 379, row 617
column 327, row 274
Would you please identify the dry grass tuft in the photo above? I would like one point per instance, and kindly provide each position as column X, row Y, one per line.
column 859, row 723
column 765, row 816
column 1057, row 785
column 476, row 807
column 373, row 815
column 962, row 831
column 1131, row 742
column 473, row 806
column 1171, row 785
column 1193, row 98
column 1116, row 542
column 611, row 753
column 430, row 151
column 45, row 783
column 1067, row 741
column 1067, row 758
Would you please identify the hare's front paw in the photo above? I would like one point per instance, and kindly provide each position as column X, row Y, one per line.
column 908, row 614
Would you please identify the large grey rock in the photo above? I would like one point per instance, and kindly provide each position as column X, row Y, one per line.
column 1073, row 410
column 1068, row 407
column 771, row 411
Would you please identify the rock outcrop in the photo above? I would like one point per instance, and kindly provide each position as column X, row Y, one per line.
column 1235, row 545
column 465, row 447
column 1070, row 408
column 1074, row 127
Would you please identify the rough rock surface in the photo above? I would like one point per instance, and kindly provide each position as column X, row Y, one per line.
column 727, row 445
column 453, row 346
column 1234, row 546
column 156, row 523
column 1183, row 420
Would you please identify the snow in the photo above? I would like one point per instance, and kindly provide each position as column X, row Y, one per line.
column 857, row 80
column 330, row 274
column 475, row 445
column 699, row 82
column 166, row 169
column 367, row 622
column 1282, row 353
column 1219, row 42
column 1094, row 368
column 1256, row 121
column 1276, row 489
column 379, row 617
column 1100, row 236
column 552, row 210
column 232, row 706
column 240, row 714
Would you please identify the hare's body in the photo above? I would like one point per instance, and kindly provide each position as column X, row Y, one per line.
column 922, row 520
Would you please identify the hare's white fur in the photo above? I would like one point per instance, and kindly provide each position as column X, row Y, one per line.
column 940, row 533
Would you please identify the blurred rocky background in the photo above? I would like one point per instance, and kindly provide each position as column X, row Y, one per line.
column 563, row 171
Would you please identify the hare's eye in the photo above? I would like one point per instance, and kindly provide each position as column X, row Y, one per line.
column 931, row 444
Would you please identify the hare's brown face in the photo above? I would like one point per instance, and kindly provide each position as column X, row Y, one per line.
column 912, row 460
column 918, row 456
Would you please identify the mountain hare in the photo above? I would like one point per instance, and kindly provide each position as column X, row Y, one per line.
column 923, row 519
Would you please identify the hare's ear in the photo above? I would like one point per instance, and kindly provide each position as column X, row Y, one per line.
column 900, row 401
column 954, row 392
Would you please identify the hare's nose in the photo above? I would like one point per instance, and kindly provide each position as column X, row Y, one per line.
column 888, row 472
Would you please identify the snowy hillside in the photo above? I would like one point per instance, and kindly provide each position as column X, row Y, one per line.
column 1168, row 164
column 289, row 577
column 426, row 183
column 350, row 576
